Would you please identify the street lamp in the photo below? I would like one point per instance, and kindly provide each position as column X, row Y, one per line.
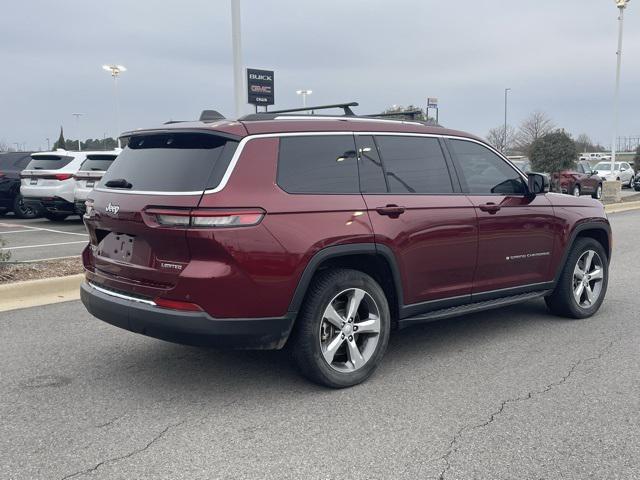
column 115, row 71
column 304, row 94
column 78, row 115
column 621, row 4
column 504, row 138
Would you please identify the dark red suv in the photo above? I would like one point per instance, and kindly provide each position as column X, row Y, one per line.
column 326, row 233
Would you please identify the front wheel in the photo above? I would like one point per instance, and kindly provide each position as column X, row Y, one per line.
column 583, row 282
column 343, row 329
column 576, row 191
column 598, row 193
column 631, row 182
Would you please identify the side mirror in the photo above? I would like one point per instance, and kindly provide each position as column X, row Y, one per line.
column 538, row 183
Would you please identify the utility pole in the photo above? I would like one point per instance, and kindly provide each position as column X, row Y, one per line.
column 48, row 145
column 504, row 133
column 621, row 4
column 78, row 115
column 236, row 41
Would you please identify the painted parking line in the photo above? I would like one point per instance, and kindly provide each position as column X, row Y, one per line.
column 38, row 229
column 43, row 245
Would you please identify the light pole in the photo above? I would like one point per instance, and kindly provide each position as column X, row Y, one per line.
column 504, row 137
column 48, row 145
column 78, row 115
column 236, row 41
column 621, row 4
column 304, row 94
column 115, row 71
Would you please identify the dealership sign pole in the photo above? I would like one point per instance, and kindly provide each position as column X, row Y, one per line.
column 432, row 103
column 260, row 89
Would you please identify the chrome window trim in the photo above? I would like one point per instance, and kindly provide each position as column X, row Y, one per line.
column 121, row 295
column 248, row 138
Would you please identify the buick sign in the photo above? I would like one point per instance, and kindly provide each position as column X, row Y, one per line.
column 260, row 87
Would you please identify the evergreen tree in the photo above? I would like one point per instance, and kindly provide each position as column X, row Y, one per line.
column 61, row 143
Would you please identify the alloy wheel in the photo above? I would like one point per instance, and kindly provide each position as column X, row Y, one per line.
column 350, row 330
column 576, row 191
column 599, row 192
column 588, row 275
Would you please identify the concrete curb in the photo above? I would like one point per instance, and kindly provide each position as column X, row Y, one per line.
column 621, row 207
column 33, row 293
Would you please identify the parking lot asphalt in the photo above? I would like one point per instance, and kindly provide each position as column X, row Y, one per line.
column 507, row 394
column 39, row 238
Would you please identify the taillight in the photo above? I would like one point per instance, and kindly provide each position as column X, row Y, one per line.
column 2, row 174
column 62, row 176
column 177, row 305
column 89, row 211
column 204, row 218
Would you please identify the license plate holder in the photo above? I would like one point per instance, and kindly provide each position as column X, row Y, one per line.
column 117, row 246
column 90, row 183
column 33, row 181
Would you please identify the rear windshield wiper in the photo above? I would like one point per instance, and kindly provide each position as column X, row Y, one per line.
column 118, row 183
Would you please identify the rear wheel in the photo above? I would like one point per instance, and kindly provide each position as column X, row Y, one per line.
column 55, row 217
column 598, row 193
column 583, row 282
column 576, row 191
column 343, row 329
column 24, row 210
column 631, row 182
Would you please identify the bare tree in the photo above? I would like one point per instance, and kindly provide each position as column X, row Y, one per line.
column 583, row 143
column 537, row 125
column 501, row 142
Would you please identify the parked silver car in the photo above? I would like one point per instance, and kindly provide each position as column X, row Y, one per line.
column 622, row 171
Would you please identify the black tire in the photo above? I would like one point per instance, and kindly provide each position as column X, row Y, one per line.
column 55, row 217
column 630, row 182
column 20, row 210
column 306, row 347
column 637, row 188
column 561, row 301
column 598, row 193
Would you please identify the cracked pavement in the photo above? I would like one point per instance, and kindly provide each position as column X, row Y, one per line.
column 506, row 394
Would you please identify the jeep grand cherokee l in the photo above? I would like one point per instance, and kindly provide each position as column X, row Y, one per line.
column 327, row 233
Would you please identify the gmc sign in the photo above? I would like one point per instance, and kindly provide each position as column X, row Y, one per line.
column 260, row 87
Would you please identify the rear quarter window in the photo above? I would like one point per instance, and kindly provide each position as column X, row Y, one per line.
column 318, row 164
column 49, row 162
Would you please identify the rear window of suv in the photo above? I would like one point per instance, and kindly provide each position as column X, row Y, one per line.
column 97, row 162
column 48, row 162
column 172, row 162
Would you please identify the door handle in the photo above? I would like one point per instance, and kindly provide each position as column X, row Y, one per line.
column 393, row 211
column 490, row 207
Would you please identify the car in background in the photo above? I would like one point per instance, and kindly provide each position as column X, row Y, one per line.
column 11, row 164
column 582, row 180
column 48, row 181
column 90, row 173
column 636, row 183
column 622, row 172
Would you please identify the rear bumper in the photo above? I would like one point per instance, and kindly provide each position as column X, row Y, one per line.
column 190, row 328
column 52, row 204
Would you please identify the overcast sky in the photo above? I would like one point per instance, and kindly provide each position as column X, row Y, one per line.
column 558, row 56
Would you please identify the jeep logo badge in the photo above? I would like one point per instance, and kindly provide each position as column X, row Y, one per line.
column 111, row 208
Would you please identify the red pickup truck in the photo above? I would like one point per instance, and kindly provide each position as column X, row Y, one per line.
column 583, row 180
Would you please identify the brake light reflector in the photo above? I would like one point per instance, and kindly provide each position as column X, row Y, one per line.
column 177, row 305
column 63, row 176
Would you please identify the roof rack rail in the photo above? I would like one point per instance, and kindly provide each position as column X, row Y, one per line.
column 345, row 106
column 412, row 114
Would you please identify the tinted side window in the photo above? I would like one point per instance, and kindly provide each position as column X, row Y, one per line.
column 484, row 172
column 370, row 166
column 414, row 164
column 581, row 168
column 318, row 164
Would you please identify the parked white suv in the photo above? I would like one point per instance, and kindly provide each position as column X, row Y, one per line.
column 622, row 171
column 90, row 173
column 48, row 181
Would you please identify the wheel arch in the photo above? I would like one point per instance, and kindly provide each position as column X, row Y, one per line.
column 375, row 260
column 598, row 230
